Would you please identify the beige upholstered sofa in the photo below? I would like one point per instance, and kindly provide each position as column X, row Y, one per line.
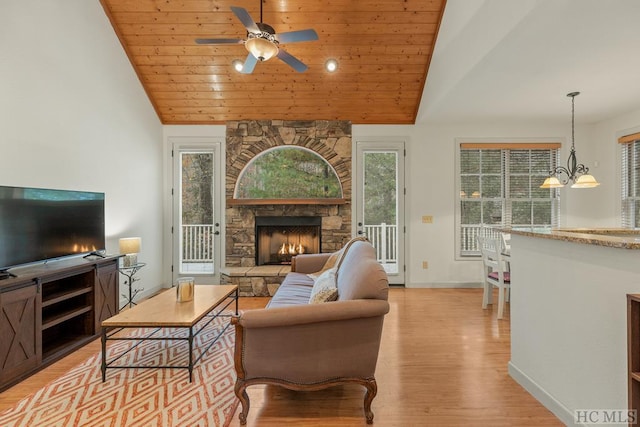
column 311, row 346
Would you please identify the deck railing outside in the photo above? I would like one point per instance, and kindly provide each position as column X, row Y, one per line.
column 469, row 237
column 197, row 243
column 383, row 237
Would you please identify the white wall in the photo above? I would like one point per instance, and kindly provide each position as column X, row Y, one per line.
column 73, row 115
column 607, row 151
column 431, row 182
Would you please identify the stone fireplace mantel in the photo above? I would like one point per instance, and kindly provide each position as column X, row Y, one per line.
column 256, row 202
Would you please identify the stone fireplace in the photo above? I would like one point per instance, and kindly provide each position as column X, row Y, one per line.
column 247, row 139
column 279, row 238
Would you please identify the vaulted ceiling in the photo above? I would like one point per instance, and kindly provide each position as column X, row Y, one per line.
column 383, row 49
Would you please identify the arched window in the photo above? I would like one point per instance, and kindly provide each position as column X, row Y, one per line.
column 288, row 172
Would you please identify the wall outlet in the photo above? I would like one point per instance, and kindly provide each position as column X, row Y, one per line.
column 427, row 219
column 425, row 265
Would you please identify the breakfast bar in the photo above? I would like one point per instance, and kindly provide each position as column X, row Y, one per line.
column 568, row 316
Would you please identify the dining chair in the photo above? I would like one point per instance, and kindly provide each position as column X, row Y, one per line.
column 496, row 273
column 506, row 242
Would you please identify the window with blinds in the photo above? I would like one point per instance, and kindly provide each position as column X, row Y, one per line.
column 630, row 157
column 500, row 187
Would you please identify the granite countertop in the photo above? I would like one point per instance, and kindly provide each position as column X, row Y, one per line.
column 623, row 238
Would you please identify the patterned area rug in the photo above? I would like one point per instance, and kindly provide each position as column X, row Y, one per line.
column 140, row 397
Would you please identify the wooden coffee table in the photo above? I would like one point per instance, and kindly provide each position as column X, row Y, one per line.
column 163, row 311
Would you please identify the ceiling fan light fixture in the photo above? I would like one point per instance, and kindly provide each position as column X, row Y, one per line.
column 262, row 43
column 261, row 48
column 331, row 65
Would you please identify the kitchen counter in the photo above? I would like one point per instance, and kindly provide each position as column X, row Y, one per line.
column 568, row 315
column 622, row 238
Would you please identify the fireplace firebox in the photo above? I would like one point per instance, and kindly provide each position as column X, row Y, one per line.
column 279, row 238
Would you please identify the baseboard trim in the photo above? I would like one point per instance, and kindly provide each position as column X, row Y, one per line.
column 548, row 401
column 453, row 285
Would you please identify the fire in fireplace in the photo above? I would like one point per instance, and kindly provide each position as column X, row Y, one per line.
column 279, row 238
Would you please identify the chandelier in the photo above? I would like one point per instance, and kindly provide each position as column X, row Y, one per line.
column 574, row 172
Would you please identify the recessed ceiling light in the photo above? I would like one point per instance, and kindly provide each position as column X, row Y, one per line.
column 331, row 65
column 237, row 64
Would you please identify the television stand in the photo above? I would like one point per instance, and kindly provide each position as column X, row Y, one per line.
column 95, row 254
column 50, row 310
column 5, row 274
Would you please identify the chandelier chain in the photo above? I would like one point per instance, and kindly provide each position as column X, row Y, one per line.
column 573, row 95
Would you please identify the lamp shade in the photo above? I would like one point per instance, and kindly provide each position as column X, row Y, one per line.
column 551, row 182
column 585, row 181
column 130, row 245
column 261, row 48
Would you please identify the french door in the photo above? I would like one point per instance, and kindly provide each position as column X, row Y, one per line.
column 197, row 213
column 379, row 202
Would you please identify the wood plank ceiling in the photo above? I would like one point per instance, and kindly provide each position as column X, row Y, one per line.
column 383, row 49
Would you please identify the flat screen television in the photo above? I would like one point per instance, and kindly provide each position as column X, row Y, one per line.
column 39, row 224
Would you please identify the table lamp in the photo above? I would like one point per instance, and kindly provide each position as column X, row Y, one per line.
column 130, row 247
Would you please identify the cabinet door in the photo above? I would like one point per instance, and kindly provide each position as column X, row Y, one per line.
column 106, row 292
column 20, row 340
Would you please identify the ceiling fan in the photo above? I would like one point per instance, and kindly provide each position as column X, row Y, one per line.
column 262, row 42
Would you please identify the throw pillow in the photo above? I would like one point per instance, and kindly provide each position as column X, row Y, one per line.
column 324, row 288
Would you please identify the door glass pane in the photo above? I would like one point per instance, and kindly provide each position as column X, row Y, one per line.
column 380, row 198
column 196, row 213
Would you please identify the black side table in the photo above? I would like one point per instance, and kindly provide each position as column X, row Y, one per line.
column 130, row 272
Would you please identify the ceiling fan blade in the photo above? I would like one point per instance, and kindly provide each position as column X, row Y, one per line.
column 249, row 64
column 297, row 36
column 219, row 41
column 246, row 19
column 292, row 61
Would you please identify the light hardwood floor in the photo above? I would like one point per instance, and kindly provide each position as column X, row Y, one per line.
column 443, row 362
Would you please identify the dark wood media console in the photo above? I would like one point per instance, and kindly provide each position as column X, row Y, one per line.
column 51, row 309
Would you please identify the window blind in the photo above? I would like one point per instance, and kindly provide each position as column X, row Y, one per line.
column 630, row 188
column 499, row 187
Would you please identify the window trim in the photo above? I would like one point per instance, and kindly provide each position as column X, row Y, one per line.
column 627, row 214
column 493, row 143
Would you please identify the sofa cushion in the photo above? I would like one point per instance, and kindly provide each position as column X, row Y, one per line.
column 294, row 290
column 324, row 288
column 360, row 275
